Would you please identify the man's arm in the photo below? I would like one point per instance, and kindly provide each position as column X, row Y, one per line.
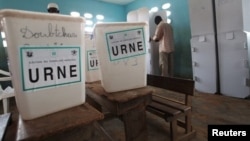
column 158, row 33
column 153, row 39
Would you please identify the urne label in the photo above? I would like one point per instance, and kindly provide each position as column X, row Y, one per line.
column 125, row 44
column 49, row 66
column 92, row 60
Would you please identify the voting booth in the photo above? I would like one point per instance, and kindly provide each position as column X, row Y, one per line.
column 121, row 49
column 46, row 52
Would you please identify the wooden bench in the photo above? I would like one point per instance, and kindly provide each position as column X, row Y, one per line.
column 176, row 112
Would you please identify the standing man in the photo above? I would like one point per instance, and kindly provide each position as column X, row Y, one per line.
column 164, row 35
column 53, row 8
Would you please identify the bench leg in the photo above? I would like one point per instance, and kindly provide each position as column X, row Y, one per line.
column 6, row 105
column 135, row 125
column 188, row 122
column 173, row 130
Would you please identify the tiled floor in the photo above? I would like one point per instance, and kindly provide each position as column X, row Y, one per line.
column 207, row 109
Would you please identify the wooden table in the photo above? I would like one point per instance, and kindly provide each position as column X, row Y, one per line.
column 130, row 105
column 73, row 124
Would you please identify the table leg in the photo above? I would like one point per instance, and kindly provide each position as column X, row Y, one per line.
column 135, row 125
column 5, row 105
column 94, row 103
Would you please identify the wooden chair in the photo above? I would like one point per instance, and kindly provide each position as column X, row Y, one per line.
column 170, row 109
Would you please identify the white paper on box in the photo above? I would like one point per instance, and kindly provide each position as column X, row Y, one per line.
column 49, row 66
column 125, row 44
column 92, row 60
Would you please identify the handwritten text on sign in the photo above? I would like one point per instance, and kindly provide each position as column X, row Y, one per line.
column 126, row 44
column 92, row 60
column 49, row 66
column 53, row 30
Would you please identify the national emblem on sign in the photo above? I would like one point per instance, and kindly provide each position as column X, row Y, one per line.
column 29, row 53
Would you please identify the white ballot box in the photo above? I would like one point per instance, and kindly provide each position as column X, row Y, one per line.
column 121, row 49
column 46, row 52
column 92, row 69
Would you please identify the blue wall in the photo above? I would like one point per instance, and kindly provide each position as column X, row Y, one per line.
column 146, row 3
column 182, row 32
column 113, row 12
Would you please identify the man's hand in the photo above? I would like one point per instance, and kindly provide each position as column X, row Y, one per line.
column 150, row 39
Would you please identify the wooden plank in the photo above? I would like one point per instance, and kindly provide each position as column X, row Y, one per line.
column 164, row 109
column 119, row 102
column 171, row 104
column 185, row 86
column 61, row 124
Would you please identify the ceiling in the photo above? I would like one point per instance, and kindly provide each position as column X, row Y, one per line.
column 120, row 2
